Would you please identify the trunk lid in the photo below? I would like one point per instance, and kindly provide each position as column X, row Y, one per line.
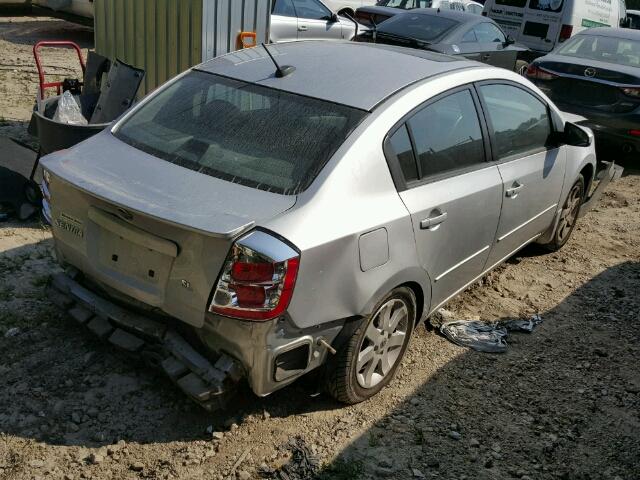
column 155, row 232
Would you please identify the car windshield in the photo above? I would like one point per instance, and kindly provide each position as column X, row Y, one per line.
column 240, row 132
column 406, row 4
column 426, row 28
column 605, row 49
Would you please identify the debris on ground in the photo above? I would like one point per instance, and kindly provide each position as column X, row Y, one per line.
column 303, row 465
column 486, row 337
column 521, row 325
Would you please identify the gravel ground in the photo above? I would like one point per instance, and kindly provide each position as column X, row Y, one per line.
column 562, row 403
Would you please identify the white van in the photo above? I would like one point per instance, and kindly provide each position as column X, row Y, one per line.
column 542, row 24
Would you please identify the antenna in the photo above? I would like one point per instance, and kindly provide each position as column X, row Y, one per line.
column 280, row 71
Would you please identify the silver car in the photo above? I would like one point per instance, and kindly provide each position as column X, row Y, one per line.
column 308, row 20
column 261, row 217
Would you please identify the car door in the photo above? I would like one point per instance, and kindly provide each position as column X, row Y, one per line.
column 284, row 21
column 532, row 166
column 314, row 21
column 452, row 193
column 470, row 48
column 493, row 44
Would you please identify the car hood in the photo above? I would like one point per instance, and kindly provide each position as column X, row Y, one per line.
column 612, row 72
column 111, row 170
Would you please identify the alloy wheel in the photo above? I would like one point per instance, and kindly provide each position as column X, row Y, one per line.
column 382, row 343
column 569, row 213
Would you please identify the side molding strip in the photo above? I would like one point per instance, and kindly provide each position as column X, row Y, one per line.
column 527, row 222
column 459, row 264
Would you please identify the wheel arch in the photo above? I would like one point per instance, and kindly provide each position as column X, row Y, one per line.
column 415, row 279
column 587, row 172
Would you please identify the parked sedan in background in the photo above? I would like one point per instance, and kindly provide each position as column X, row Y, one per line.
column 596, row 74
column 254, row 221
column 308, row 20
column 385, row 9
column 451, row 32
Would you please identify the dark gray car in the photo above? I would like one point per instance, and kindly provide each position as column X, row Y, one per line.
column 385, row 9
column 596, row 74
column 450, row 32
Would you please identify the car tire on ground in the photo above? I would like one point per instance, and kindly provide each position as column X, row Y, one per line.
column 370, row 356
column 568, row 216
column 521, row 67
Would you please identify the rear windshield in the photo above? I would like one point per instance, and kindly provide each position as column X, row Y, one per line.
column 604, row 49
column 417, row 26
column 546, row 5
column 512, row 3
column 406, row 4
column 240, row 132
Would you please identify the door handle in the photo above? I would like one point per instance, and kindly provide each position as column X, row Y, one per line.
column 513, row 191
column 430, row 222
column 485, row 56
column 302, row 28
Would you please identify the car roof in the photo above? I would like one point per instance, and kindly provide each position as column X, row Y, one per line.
column 626, row 33
column 359, row 75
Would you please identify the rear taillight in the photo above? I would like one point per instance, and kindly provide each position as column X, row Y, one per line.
column 257, row 279
column 632, row 91
column 634, row 133
column 565, row 32
column 534, row 71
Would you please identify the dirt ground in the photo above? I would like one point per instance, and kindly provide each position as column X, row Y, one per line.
column 562, row 403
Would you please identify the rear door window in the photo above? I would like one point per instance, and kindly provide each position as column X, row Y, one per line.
column 447, row 135
column 241, row 132
column 400, row 144
column 520, row 121
column 469, row 37
column 312, row 9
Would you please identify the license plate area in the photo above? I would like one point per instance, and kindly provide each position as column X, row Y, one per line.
column 133, row 261
column 129, row 259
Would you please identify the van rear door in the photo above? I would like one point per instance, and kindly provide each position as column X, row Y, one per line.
column 541, row 24
column 508, row 14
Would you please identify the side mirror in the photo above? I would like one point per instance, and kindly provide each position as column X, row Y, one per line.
column 509, row 41
column 575, row 136
column 334, row 18
column 625, row 22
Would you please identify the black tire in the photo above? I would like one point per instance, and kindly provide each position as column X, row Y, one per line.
column 569, row 216
column 521, row 67
column 341, row 375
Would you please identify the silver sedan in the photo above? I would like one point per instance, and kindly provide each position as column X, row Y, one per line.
column 309, row 20
column 274, row 211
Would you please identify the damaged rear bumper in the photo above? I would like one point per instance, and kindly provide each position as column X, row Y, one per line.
column 207, row 382
column 270, row 355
